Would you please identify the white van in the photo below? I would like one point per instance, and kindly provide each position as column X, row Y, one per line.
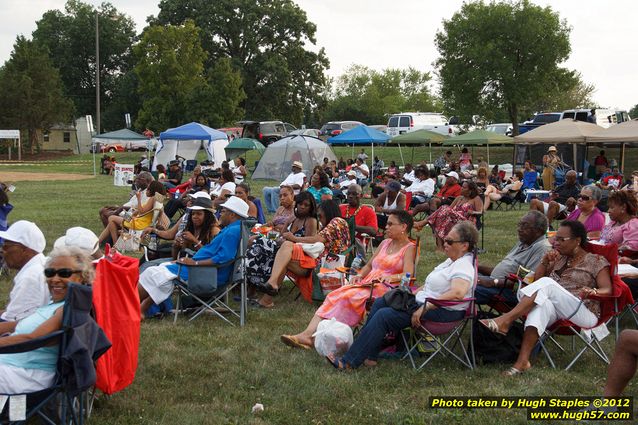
column 604, row 117
column 406, row 122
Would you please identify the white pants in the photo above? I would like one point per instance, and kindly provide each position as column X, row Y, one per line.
column 553, row 302
column 17, row 380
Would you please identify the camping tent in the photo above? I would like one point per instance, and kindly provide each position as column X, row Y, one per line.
column 479, row 138
column 361, row 135
column 187, row 140
column 277, row 160
column 123, row 136
column 561, row 132
column 418, row 137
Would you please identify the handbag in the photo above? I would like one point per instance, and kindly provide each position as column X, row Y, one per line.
column 128, row 241
column 330, row 278
column 401, row 300
column 163, row 222
column 313, row 250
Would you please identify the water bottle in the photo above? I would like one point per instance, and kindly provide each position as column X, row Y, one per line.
column 405, row 282
column 356, row 265
column 177, row 194
column 152, row 244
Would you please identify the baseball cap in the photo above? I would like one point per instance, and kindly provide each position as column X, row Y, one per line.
column 351, row 173
column 25, row 233
column 79, row 237
column 394, row 186
column 551, row 149
column 453, row 174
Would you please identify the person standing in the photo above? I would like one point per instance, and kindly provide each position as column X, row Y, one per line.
column 22, row 251
column 550, row 162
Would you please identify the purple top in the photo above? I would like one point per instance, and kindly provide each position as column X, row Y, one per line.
column 594, row 222
column 624, row 235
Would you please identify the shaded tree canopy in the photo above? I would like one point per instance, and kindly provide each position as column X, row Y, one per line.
column 69, row 36
column 32, row 91
column 505, row 56
column 266, row 41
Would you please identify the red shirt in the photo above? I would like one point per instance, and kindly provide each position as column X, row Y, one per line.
column 613, row 181
column 363, row 216
column 449, row 191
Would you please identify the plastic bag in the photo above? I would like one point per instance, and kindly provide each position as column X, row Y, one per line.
column 329, row 277
column 332, row 337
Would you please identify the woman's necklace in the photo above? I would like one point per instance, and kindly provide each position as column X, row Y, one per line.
column 574, row 260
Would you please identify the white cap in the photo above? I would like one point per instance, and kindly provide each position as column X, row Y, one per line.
column 453, row 174
column 237, row 206
column 25, row 233
column 79, row 237
column 200, row 194
column 351, row 173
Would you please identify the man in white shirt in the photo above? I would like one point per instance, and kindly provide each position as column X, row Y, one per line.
column 422, row 187
column 362, row 172
column 22, row 251
column 408, row 175
column 362, row 156
column 296, row 180
column 142, row 180
column 339, row 189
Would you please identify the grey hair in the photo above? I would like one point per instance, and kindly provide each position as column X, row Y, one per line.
column 467, row 233
column 80, row 256
column 596, row 192
column 540, row 220
column 146, row 176
column 355, row 187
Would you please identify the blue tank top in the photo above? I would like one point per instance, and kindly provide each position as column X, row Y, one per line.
column 44, row 358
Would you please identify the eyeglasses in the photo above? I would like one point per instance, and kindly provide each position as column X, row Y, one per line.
column 584, row 197
column 562, row 239
column 451, row 241
column 63, row 273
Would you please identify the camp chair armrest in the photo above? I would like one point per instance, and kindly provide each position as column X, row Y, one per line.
column 448, row 303
column 33, row 344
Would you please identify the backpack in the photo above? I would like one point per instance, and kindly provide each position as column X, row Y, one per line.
column 490, row 347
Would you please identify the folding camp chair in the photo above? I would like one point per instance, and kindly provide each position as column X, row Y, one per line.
column 213, row 296
column 261, row 217
column 510, row 200
column 610, row 308
column 445, row 336
column 64, row 402
column 190, row 165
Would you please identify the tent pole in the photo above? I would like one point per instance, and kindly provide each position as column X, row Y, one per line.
column 430, row 144
column 622, row 159
column 372, row 163
column 93, row 149
column 401, row 153
column 575, row 153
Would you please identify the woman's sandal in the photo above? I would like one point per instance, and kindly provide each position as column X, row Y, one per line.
column 512, row 371
column 492, row 326
column 292, row 341
column 266, row 288
column 339, row 364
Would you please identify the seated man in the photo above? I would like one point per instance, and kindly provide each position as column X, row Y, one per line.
column 174, row 177
column 296, row 179
column 22, row 251
column 450, row 190
column 365, row 219
column 388, row 202
column 408, row 175
column 141, row 182
column 527, row 253
column 339, row 189
column 362, row 170
column 422, row 187
column 612, row 182
column 156, row 283
column 562, row 199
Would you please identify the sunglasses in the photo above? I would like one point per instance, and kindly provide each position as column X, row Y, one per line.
column 451, row 241
column 584, row 197
column 63, row 273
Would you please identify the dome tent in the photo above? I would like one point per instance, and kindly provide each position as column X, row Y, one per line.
column 276, row 162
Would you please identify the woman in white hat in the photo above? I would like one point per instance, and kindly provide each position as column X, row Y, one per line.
column 550, row 162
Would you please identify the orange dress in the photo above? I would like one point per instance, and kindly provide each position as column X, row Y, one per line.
column 347, row 304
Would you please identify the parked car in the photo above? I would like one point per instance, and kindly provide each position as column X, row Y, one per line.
column 110, row 148
column 305, row 132
column 334, row 128
column 406, row 122
column 266, row 131
column 504, row 129
column 604, row 117
column 141, row 145
column 538, row 120
column 382, row 128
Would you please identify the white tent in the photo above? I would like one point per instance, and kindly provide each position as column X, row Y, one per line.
column 187, row 140
column 276, row 162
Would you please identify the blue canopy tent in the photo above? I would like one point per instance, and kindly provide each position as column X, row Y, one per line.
column 187, row 140
column 361, row 135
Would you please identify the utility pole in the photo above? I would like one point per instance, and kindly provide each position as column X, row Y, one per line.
column 97, row 73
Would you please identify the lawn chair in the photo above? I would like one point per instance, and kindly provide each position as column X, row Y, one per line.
column 510, row 200
column 445, row 336
column 611, row 306
column 210, row 295
column 190, row 165
column 261, row 217
column 64, row 402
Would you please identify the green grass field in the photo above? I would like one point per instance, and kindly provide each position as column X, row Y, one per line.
column 208, row 372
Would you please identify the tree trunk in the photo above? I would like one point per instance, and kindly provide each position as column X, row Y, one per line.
column 513, row 113
column 33, row 140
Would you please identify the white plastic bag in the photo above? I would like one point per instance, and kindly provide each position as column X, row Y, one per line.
column 332, row 337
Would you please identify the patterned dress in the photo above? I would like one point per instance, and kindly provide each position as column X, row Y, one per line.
column 347, row 304
column 444, row 218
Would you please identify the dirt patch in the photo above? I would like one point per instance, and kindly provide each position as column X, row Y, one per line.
column 15, row 176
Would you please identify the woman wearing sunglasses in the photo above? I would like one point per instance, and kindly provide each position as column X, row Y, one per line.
column 565, row 277
column 35, row 370
column 451, row 281
column 587, row 212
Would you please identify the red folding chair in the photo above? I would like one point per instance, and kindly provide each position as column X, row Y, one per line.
column 610, row 305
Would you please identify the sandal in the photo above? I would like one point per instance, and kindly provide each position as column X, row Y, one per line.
column 512, row 371
column 266, row 288
column 292, row 341
column 492, row 326
column 339, row 364
column 256, row 304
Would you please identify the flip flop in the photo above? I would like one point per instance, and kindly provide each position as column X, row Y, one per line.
column 292, row 341
column 512, row 371
column 339, row 364
column 492, row 326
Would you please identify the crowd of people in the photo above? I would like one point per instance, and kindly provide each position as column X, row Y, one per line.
column 314, row 218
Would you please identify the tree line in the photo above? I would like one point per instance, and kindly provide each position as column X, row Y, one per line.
column 222, row 61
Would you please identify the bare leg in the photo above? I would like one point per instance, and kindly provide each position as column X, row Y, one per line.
column 280, row 266
column 623, row 365
column 536, row 205
column 530, row 337
column 435, row 203
column 552, row 211
column 424, row 207
column 145, row 300
column 305, row 337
